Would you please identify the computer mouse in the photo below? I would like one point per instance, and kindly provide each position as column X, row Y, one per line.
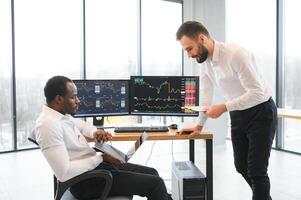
column 173, row 126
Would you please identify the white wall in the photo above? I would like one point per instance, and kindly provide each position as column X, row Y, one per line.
column 211, row 13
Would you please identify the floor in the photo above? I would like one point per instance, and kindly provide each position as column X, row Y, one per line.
column 27, row 176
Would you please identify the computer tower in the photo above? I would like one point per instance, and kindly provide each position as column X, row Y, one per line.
column 188, row 182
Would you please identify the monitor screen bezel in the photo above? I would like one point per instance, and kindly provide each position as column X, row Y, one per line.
column 106, row 114
column 196, row 114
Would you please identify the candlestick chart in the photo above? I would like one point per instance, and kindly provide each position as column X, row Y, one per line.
column 163, row 95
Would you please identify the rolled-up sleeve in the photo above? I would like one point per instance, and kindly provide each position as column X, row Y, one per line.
column 85, row 128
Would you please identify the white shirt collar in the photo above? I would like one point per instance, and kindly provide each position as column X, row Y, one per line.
column 215, row 56
column 53, row 113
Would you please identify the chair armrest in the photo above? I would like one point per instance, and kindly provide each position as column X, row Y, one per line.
column 99, row 173
column 33, row 141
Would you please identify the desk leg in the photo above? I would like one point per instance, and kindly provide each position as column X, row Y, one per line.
column 209, row 169
column 191, row 150
column 138, row 143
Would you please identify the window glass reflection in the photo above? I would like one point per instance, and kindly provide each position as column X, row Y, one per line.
column 292, row 70
column 48, row 36
column 6, row 131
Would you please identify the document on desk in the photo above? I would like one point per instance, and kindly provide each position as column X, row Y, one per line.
column 114, row 152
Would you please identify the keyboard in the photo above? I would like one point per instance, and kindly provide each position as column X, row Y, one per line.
column 124, row 129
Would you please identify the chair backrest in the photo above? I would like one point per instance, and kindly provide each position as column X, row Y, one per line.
column 33, row 141
column 32, row 137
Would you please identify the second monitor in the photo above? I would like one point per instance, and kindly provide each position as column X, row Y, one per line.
column 102, row 97
column 164, row 95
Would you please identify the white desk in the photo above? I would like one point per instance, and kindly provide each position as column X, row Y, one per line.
column 289, row 113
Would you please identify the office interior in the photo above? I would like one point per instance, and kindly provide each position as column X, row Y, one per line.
column 116, row 39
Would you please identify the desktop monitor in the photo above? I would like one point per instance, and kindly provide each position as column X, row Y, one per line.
column 102, row 97
column 164, row 95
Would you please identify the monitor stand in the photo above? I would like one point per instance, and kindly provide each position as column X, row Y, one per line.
column 98, row 121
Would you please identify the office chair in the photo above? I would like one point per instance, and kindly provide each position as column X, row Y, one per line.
column 61, row 187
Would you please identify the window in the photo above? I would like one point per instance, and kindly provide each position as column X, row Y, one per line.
column 254, row 28
column 111, row 45
column 58, row 38
column 292, row 71
column 255, row 32
column 161, row 53
column 6, row 130
column 111, row 38
column 48, row 42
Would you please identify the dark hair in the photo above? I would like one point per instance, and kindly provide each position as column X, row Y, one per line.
column 55, row 86
column 191, row 29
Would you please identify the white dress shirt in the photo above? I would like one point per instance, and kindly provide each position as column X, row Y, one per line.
column 235, row 72
column 62, row 142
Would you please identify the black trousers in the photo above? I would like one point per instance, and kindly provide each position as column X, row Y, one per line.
column 128, row 179
column 252, row 132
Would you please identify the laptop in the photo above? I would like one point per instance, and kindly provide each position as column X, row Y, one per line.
column 114, row 152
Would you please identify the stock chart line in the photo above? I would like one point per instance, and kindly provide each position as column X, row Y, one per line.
column 157, row 99
column 102, row 97
column 166, row 107
column 163, row 94
column 159, row 88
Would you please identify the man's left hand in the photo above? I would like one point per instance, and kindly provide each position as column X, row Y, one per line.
column 102, row 136
column 215, row 111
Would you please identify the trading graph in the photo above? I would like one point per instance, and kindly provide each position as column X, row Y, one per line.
column 163, row 95
column 102, row 97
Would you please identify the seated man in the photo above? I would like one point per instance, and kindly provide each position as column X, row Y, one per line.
column 62, row 140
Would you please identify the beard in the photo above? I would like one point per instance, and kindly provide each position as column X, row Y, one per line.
column 203, row 54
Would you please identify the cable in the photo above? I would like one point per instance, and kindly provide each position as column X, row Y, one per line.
column 107, row 118
column 150, row 153
column 169, row 190
column 173, row 159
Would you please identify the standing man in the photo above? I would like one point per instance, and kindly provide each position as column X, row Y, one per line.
column 252, row 109
column 62, row 140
